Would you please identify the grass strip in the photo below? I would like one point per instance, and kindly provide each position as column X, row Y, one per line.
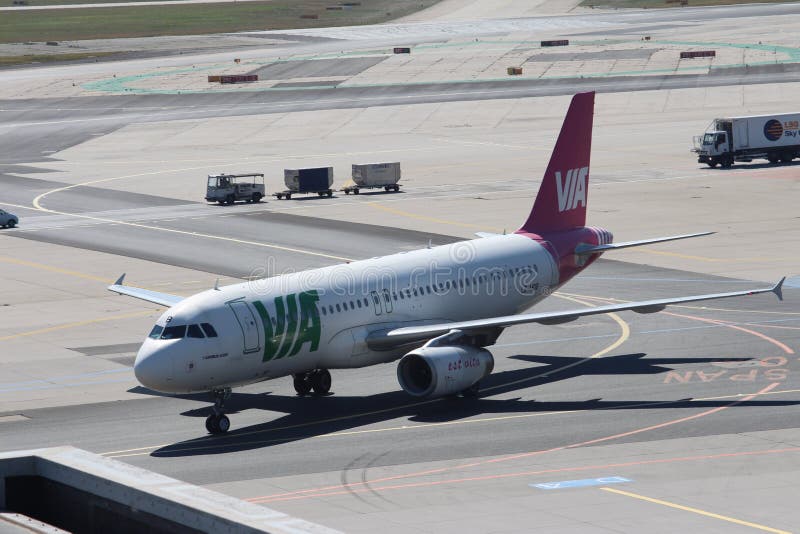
column 194, row 19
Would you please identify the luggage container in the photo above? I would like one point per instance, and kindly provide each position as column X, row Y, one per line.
column 313, row 180
column 374, row 175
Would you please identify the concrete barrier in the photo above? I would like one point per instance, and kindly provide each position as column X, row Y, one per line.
column 698, row 53
column 556, row 42
column 76, row 490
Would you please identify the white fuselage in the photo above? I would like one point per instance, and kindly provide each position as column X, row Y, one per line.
column 321, row 318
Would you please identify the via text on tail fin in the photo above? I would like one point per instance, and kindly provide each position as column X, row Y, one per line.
column 563, row 194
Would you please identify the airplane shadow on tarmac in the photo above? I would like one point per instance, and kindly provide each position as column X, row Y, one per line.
column 310, row 416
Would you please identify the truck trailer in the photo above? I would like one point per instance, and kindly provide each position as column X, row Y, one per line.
column 775, row 138
column 315, row 180
column 374, row 175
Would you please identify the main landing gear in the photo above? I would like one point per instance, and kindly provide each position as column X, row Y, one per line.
column 218, row 422
column 319, row 380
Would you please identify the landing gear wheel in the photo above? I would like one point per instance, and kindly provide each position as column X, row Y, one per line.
column 211, row 424
column 223, row 423
column 302, row 384
column 218, row 422
column 321, row 381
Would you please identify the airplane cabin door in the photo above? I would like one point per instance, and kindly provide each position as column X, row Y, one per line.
column 247, row 321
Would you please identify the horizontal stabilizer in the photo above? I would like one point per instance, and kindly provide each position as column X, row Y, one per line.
column 592, row 249
column 162, row 299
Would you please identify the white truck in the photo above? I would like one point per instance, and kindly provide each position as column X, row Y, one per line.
column 771, row 137
column 228, row 188
column 372, row 175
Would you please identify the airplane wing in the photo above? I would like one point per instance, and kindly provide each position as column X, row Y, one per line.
column 163, row 299
column 399, row 336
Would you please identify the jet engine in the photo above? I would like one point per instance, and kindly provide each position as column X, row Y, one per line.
column 435, row 371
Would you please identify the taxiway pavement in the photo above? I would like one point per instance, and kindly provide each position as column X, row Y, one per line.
column 695, row 407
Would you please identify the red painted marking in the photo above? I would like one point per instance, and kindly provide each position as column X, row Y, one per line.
column 765, row 337
column 323, row 493
column 315, row 492
column 300, row 494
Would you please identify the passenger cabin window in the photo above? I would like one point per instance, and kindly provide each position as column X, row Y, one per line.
column 174, row 332
column 155, row 333
column 209, row 330
column 194, row 331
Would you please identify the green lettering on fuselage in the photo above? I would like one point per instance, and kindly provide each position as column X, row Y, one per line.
column 309, row 329
column 269, row 335
column 291, row 329
column 291, row 326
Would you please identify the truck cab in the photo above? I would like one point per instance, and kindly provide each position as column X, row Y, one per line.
column 228, row 188
column 714, row 147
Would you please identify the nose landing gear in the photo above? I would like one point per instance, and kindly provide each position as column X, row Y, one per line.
column 218, row 422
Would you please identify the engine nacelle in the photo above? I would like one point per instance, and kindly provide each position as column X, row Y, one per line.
column 437, row 371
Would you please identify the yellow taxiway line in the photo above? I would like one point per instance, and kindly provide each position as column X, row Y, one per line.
column 696, row 511
column 75, row 324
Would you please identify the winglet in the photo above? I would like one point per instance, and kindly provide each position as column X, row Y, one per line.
column 119, row 280
column 778, row 289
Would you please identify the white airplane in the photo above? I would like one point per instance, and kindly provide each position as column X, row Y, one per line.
column 436, row 308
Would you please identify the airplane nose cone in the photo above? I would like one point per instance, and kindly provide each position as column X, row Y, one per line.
column 153, row 368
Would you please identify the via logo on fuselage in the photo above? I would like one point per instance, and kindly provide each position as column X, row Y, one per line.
column 296, row 323
column 573, row 189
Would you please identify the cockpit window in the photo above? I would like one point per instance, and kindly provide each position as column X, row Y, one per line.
column 174, row 332
column 194, row 331
column 209, row 330
column 155, row 333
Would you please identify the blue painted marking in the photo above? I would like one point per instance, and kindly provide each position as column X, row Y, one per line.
column 580, row 483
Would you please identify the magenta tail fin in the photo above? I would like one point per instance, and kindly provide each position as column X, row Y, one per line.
column 561, row 202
